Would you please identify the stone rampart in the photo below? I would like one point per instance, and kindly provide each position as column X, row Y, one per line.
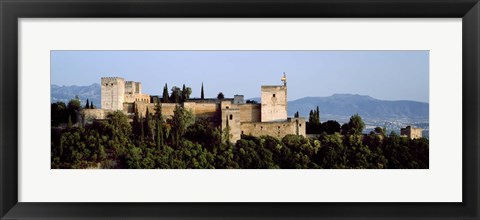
column 274, row 129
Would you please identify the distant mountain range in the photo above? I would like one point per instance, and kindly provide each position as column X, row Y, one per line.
column 337, row 105
column 66, row 93
column 365, row 106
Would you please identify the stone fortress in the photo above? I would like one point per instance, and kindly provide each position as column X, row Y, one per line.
column 411, row 132
column 266, row 118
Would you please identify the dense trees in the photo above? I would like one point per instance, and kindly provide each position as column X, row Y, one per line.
column 313, row 124
column 183, row 141
column 62, row 113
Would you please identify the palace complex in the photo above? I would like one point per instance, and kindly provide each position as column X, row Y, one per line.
column 266, row 118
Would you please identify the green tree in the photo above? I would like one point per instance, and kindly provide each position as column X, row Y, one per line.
column 313, row 124
column 220, row 96
column 87, row 106
column 355, row 125
column 180, row 122
column 175, row 96
column 201, row 132
column 73, row 109
column 59, row 113
column 202, row 95
column 147, row 123
column 186, row 92
column 381, row 131
column 69, row 123
column 330, row 127
column 165, row 96
column 159, row 125
column 226, row 131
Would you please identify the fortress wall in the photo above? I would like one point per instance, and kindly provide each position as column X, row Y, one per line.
column 89, row 115
column 209, row 111
column 274, row 129
column 142, row 108
column 274, row 103
column 138, row 87
column 233, row 118
column 130, row 87
column 250, row 113
column 129, row 98
column 411, row 132
column 128, row 108
column 137, row 98
column 167, row 109
column 416, row 133
column 142, row 98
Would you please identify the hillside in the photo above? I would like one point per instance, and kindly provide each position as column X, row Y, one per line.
column 66, row 93
column 366, row 106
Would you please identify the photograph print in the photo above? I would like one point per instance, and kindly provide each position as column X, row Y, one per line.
column 239, row 109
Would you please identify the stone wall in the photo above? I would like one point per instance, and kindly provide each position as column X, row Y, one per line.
column 250, row 112
column 89, row 115
column 130, row 87
column 274, row 103
column 233, row 117
column 274, row 129
column 209, row 111
column 411, row 132
column 167, row 108
column 112, row 93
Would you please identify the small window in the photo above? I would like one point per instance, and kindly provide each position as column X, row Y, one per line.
column 273, row 95
column 242, row 132
column 231, row 117
column 300, row 125
column 111, row 84
column 228, row 107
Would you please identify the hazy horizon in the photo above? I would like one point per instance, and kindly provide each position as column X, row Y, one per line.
column 384, row 75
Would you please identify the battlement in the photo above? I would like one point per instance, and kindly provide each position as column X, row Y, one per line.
column 115, row 80
column 272, row 86
column 112, row 78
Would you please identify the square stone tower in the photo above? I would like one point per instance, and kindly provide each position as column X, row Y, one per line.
column 113, row 93
column 274, row 103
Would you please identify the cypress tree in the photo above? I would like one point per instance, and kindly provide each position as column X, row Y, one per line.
column 146, row 124
column 135, row 122
column 165, row 94
column 202, row 95
column 159, row 124
column 69, row 123
column 142, row 132
column 87, row 106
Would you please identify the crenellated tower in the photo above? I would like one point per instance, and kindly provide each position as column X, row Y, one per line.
column 113, row 93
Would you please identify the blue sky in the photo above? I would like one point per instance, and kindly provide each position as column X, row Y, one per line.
column 387, row 75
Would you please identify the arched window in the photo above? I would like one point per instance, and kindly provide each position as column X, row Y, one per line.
column 231, row 117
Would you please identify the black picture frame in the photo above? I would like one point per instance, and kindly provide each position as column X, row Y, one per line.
column 11, row 10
